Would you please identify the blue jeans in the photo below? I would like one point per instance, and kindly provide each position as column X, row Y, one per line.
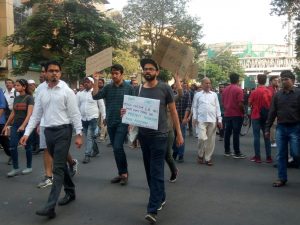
column 15, row 137
column 233, row 125
column 89, row 128
column 257, row 126
column 117, row 135
column 154, row 151
column 286, row 135
column 179, row 150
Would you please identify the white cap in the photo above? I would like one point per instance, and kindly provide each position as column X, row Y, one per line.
column 90, row 78
column 31, row 82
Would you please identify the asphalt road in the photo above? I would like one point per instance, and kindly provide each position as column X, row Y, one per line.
column 232, row 192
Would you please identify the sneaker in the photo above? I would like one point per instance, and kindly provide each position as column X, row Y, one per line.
column 124, row 180
column 239, row 156
column 227, row 154
column 274, row 145
column 180, row 159
column 161, row 206
column 269, row 160
column 86, row 159
column 47, row 181
column 13, row 172
column 151, row 217
column 27, row 171
column 255, row 159
column 73, row 169
column 173, row 177
column 9, row 162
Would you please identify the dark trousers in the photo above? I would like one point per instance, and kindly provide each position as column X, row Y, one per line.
column 58, row 141
column 117, row 135
column 233, row 126
column 154, row 151
column 4, row 141
column 169, row 154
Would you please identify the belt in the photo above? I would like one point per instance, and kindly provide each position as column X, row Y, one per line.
column 59, row 127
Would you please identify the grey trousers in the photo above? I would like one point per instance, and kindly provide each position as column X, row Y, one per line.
column 58, row 141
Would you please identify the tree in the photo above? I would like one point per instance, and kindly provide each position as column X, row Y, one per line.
column 147, row 21
column 128, row 60
column 291, row 9
column 219, row 67
column 67, row 31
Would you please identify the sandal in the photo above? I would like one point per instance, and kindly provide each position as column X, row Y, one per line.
column 209, row 163
column 279, row 183
column 200, row 160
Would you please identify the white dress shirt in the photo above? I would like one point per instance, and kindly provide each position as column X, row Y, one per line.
column 206, row 107
column 58, row 106
column 88, row 107
column 10, row 97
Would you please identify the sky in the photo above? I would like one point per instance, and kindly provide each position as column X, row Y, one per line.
column 233, row 20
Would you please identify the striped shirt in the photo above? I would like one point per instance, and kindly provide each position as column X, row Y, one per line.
column 114, row 97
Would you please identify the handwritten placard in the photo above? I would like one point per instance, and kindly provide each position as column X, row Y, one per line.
column 173, row 55
column 99, row 61
column 141, row 112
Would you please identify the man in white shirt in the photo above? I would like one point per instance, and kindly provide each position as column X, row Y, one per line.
column 89, row 109
column 57, row 105
column 207, row 115
column 9, row 94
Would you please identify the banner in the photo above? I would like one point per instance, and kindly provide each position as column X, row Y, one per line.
column 141, row 112
column 99, row 61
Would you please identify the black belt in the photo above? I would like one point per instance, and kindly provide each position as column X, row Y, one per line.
column 59, row 127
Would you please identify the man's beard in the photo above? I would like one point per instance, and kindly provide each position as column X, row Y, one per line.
column 149, row 77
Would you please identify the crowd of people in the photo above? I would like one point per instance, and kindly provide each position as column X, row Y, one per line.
column 48, row 116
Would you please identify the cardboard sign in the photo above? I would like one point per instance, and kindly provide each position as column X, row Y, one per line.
column 141, row 112
column 192, row 72
column 173, row 55
column 99, row 61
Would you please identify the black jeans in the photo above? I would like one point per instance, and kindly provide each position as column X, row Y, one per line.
column 117, row 135
column 233, row 126
column 58, row 141
column 4, row 141
column 154, row 151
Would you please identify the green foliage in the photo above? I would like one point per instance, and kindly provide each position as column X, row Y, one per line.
column 291, row 9
column 128, row 61
column 149, row 20
column 219, row 67
column 68, row 31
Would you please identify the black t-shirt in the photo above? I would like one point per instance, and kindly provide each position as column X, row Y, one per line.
column 21, row 103
column 164, row 93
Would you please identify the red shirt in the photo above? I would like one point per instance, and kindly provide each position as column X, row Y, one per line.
column 260, row 97
column 232, row 97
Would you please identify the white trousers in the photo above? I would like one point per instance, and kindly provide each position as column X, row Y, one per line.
column 206, row 139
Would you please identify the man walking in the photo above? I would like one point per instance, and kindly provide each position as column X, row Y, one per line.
column 113, row 94
column 208, row 116
column 233, row 98
column 260, row 101
column 154, row 142
column 57, row 104
column 286, row 107
column 89, row 110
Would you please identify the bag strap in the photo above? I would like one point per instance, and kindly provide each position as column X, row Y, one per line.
column 140, row 88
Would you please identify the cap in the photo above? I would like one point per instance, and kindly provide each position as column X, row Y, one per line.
column 31, row 82
column 90, row 79
column 149, row 61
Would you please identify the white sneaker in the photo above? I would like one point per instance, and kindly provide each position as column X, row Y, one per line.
column 47, row 181
column 13, row 172
column 27, row 171
column 274, row 145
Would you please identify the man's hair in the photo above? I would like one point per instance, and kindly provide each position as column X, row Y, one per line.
column 7, row 79
column 43, row 65
column 52, row 63
column 103, row 81
column 272, row 78
column 234, row 78
column 287, row 74
column 117, row 67
column 262, row 79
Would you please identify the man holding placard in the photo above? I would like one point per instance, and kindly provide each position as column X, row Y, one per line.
column 113, row 94
column 154, row 142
